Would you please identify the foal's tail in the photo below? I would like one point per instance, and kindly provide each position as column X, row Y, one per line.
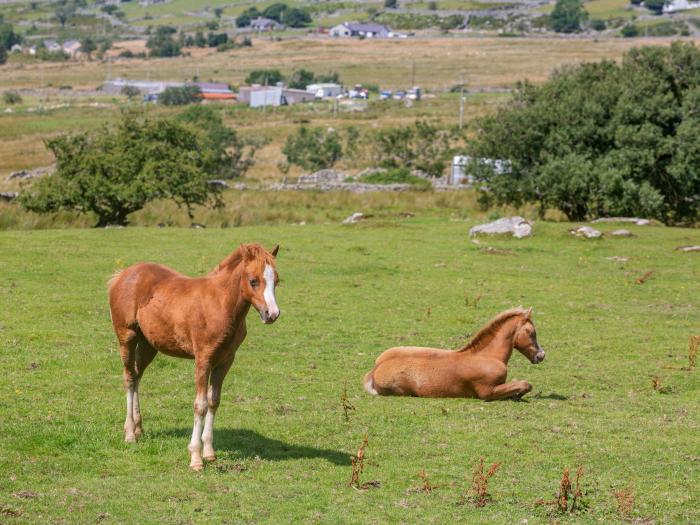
column 369, row 383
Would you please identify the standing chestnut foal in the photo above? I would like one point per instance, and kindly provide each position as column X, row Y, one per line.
column 477, row 370
column 156, row 309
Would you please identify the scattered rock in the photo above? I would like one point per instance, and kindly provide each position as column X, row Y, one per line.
column 355, row 217
column 8, row 196
column 587, row 232
column 406, row 214
column 218, row 183
column 197, row 225
column 688, row 249
column 516, row 226
column 621, row 233
column 31, row 174
column 633, row 220
column 618, row 258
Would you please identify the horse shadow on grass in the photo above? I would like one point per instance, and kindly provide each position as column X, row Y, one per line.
column 247, row 444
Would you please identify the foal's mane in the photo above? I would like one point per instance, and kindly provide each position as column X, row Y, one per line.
column 244, row 251
column 484, row 336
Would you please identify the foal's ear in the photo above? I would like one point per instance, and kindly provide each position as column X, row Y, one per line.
column 275, row 250
column 528, row 313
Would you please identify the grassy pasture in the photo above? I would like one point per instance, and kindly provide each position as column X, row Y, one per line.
column 346, row 294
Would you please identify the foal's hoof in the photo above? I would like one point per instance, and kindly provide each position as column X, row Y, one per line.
column 211, row 457
column 138, row 432
column 197, row 467
column 130, row 438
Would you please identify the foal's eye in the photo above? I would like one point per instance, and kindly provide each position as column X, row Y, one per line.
column 254, row 283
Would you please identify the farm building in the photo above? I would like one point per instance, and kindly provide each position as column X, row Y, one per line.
column 673, row 6
column 361, row 29
column 71, row 47
column 259, row 96
column 52, row 46
column 215, row 91
column 324, row 90
column 293, row 96
column 265, row 24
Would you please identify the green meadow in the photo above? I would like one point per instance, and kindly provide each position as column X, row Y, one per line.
column 612, row 396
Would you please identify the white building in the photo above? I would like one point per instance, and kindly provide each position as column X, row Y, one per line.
column 324, row 90
column 462, row 167
column 674, row 6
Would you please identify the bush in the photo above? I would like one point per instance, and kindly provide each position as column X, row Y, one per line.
column 11, row 97
column 567, row 16
column 179, row 96
column 396, row 176
column 602, row 139
column 117, row 171
column 629, row 31
column 598, row 25
column 131, row 92
column 313, row 148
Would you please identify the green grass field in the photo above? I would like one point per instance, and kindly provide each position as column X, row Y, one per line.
column 347, row 293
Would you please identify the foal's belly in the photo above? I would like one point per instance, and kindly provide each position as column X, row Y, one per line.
column 423, row 377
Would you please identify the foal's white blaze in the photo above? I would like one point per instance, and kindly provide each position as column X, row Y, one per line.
column 269, row 294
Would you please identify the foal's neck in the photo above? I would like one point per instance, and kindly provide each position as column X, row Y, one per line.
column 227, row 279
column 501, row 346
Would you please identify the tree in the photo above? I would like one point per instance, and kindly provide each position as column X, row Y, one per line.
column 3, row 55
column 391, row 4
column 266, row 77
column 228, row 155
column 109, row 8
column 657, row 6
column 629, row 31
column 421, row 146
column 300, row 79
column 88, row 46
column 117, row 171
column 568, row 15
column 295, row 17
column 275, row 11
column 244, row 19
column 8, row 37
column 215, row 40
column 64, row 13
column 180, row 96
column 601, row 139
column 11, row 97
column 199, row 39
column 162, row 43
column 218, row 11
column 313, row 148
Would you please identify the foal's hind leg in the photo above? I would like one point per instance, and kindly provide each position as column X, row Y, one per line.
column 128, row 339
column 144, row 355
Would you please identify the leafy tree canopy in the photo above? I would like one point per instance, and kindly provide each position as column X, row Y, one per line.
column 602, row 139
column 568, row 16
column 117, row 171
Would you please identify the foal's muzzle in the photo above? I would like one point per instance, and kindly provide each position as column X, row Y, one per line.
column 269, row 316
column 538, row 357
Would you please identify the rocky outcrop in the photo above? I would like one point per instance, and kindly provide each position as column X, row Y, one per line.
column 586, row 232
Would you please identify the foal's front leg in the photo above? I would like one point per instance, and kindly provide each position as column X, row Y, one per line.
column 201, row 378
column 514, row 389
column 216, row 380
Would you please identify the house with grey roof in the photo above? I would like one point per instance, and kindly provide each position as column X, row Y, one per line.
column 71, row 47
column 265, row 24
column 361, row 29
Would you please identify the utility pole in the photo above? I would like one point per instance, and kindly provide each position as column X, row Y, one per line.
column 461, row 102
